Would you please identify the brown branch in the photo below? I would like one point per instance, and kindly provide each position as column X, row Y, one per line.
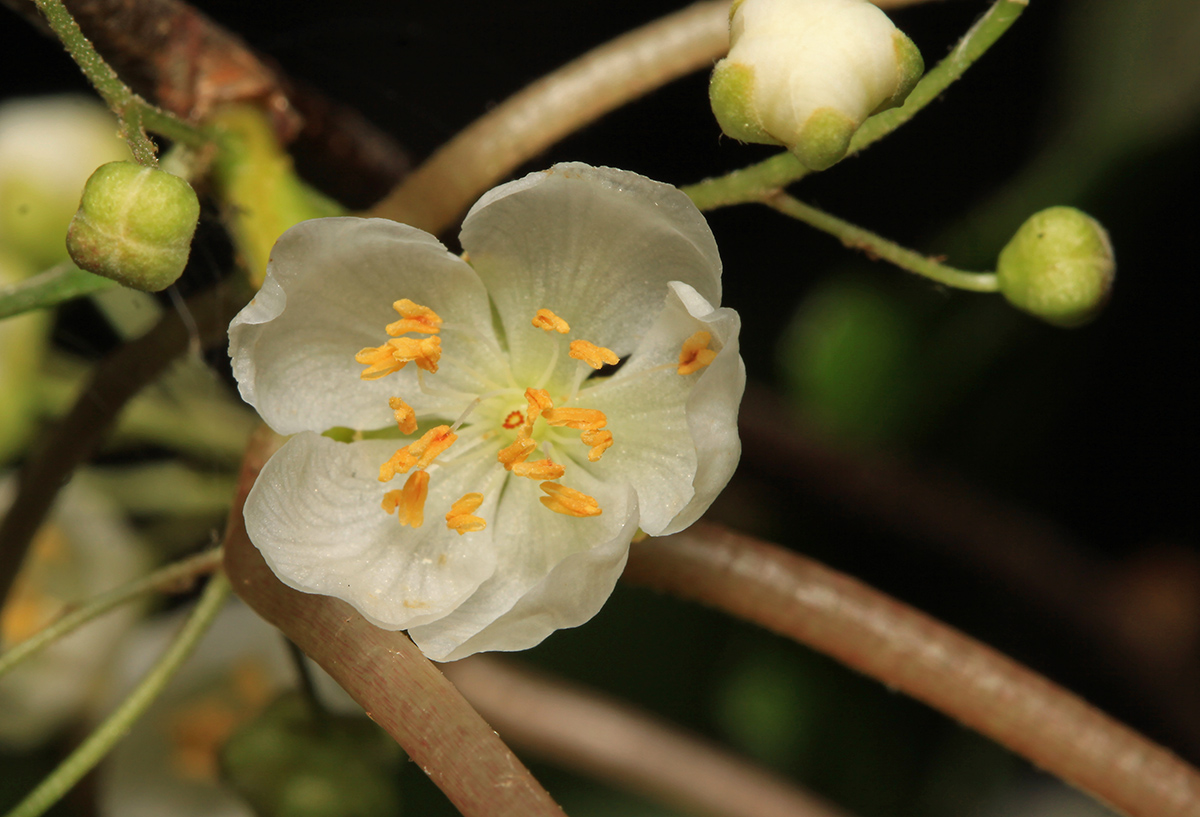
column 387, row 675
column 115, row 380
column 579, row 729
column 909, row 651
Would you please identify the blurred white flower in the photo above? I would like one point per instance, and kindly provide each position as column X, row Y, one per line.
column 48, row 148
column 85, row 549
column 530, row 467
column 806, row 73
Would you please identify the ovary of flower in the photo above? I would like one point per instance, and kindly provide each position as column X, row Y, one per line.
column 593, row 355
column 409, row 501
column 406, row 418
column 541, row 469
column 421, row 453
column 545, row 319
column 568, row 501
column 695, row 354
column 460, row 517
column 414, row 318
column 397, row 353
column 580, row 419
column 600, row 441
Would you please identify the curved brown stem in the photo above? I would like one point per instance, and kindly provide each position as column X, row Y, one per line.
column 911, row 652
column 579, row 729
column 387, row 675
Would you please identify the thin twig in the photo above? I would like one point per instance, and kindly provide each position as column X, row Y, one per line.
column 579, row 729
column 387, row 675
column 115, row 727
column 911, row 652
column 174, row 578
column 116, row 379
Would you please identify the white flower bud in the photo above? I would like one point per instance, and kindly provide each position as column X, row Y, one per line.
column 806, row 74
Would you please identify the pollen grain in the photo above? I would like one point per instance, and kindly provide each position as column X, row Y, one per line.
column 695, row 354
column 414, row 318
column 593, row 355
column 540, row 469
column 409, row 502
column 406, row 418
column 600, row 441
column 460, row 518
column 545, row 319
column 568, row 501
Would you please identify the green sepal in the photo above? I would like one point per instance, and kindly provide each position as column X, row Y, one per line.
column 824, row 139
column 731, row 94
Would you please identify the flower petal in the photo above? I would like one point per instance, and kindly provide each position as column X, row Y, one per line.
column 596, row 246
column 328, row 293
column 554, row 571
column 315, row 515
column 674, row 436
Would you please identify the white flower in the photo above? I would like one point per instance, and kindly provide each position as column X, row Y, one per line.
column 522, row 524
column 806, row 73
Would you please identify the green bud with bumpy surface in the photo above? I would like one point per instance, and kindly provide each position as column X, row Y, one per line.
column 1059, row 267
column 134, row 225
column 806, row 74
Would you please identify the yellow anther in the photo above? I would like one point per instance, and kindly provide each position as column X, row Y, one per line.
column 695, row 354
column 521, row 448
column 568, row 501
column 593, row 355
column 581, row 419
column 542, row 469
column 600, row 441
column 545, row 319
column 406, row 418
column 460, row 518
column 421, row 453
column 409, row 501
column 414, row 318
column 397, row 353
column 539, row 401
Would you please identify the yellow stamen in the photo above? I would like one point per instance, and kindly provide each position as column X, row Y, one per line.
column 593, row 355
column 460, row 518
column 409, row 500
column 397, row 353
column 521, row 448
column 542, row 469
column 406, row 418
column 582, row 419
column 539, row 401
column 545, row 319
column 421, row 453
column 600, row 441
column 414, row 318
column 695, row 354
column 568, row 501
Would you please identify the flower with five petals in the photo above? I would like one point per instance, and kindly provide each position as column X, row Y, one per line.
column 516, row 414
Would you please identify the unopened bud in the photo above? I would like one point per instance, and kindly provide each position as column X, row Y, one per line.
column 806, row 74
column 1059, row 267
column 134, row 225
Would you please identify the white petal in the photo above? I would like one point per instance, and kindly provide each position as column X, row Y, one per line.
column 674, row 436
column 595, row 246
column 315, row 515
column 555, row 571
column 328, row 293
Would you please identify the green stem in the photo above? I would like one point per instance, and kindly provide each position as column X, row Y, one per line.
column 177, row 575
column 98, row 744
column 878, row 246
column 134, row 113
column 755, row 182
column 57, row 284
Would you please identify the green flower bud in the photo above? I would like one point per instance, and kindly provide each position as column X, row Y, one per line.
column 1059, row 267
column 134, row 225
column 292, row 762
column 48, row 147
column 806, row 74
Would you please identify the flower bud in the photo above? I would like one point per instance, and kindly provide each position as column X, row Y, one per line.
column 134, row 225
column 1059, row 267
column 806, row 74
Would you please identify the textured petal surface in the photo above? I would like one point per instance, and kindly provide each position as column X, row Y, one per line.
column 594, row 245
column 554, row 571
column 314, row 514
column 675, row 436
column 328, row 293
